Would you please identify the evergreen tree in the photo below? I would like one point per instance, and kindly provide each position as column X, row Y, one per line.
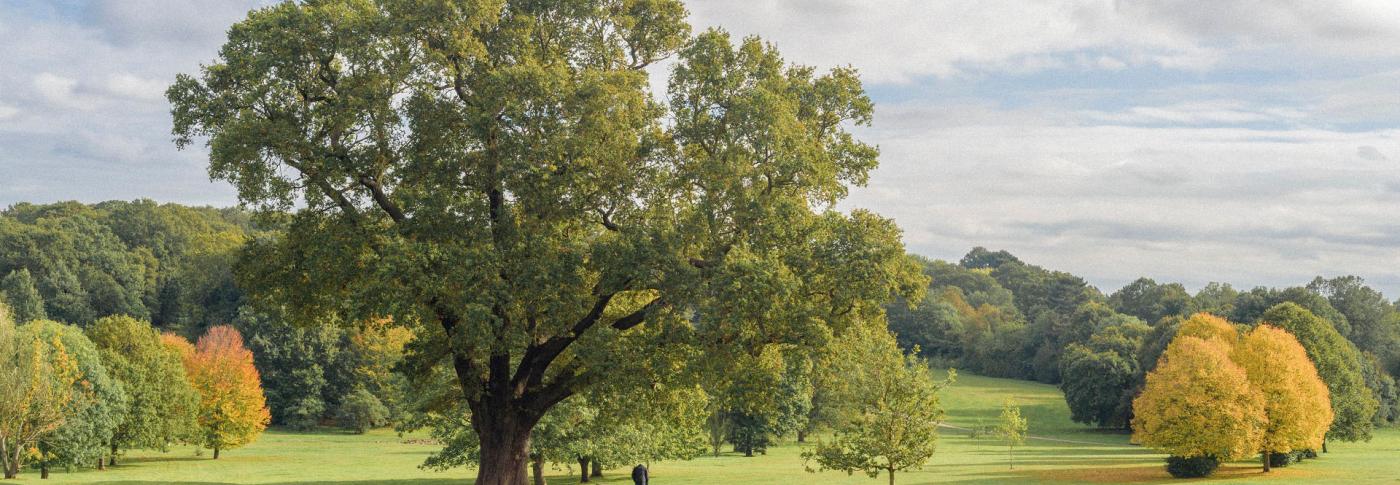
column 18, row 291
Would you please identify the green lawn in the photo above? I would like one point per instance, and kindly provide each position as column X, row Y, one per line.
column 1084, row 456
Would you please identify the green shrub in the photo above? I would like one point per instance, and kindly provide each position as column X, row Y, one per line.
column 359, row 411
column 1193, row 467
column 1282, row 459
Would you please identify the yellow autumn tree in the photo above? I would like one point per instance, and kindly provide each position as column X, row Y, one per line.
column 1198, row 405
column 1296, row 402
column 39, row 389
column 232, row 408
column 1206, row 326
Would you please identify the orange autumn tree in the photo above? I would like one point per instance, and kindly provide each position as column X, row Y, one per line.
column 232, row 408
column 1296, row 401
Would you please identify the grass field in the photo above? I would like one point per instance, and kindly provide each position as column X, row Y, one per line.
column 1067, row 453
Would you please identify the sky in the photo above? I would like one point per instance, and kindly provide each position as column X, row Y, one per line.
column 1255, row 142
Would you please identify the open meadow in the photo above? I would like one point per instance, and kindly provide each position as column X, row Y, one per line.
column 1060, row 452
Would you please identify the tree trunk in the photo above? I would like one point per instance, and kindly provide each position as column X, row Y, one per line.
column 801, row 436
column 10, row 461
column 43, row 461
column 1324, row 445
column 1266, row 456
column 597, row 469
column 583, row 469
column 101, row 464
column 505, row 444
column 537, row 466
column 113, row 461
column 216, row 452
column 891, row 470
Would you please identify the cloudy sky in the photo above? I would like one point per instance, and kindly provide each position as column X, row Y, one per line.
column 1255, row 142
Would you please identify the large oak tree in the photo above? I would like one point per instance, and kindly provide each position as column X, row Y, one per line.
column 499, row 174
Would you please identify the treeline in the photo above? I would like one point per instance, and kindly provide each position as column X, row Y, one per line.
column 174, row 267
column 169, row 264
column 993, row 314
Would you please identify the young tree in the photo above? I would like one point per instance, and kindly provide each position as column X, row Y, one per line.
column 499, row 173
column 1198, row 403
column 1296, row 403
column 38, row 377
column 897, row 428
column 1339, row 365
column 83, row 437
column 232, row 409
column 162, row 403
column 1012, row 429
column 18, row 291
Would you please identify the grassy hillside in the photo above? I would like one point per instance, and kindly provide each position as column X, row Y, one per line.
column 1065, row 453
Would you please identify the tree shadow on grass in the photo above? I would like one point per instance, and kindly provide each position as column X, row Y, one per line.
column 1143, row 474
column 406, row 481
column 136, row 460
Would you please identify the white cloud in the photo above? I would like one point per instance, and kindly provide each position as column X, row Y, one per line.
column 1368, row 152
column 901, row 41
column 1113, row 202
column 57, row 89
column 1200, row 112
column 130, row 86
column 7, row 111
column 189, row 22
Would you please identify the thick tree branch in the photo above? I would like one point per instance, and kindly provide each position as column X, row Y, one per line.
column 381, row 199
column 639, row 316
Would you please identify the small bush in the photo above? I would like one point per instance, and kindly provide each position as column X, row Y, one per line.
column 1279, row 460
column 1193, row 467
column 359, row 411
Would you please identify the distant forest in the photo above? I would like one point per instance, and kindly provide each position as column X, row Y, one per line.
column 989, row 313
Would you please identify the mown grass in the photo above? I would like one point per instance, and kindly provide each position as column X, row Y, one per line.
column 1090, row 456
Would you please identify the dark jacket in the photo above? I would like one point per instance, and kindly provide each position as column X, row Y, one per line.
column 639, row 475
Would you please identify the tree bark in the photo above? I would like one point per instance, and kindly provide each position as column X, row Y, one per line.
column 101, row 464
column 537, row 466
column 891, row 470
column 1324, row 445
column 583, row 469
column 801, row 436
column 505, row 444
column 43, row 461
column 597, row 469
column 113, row 461
column 1266, row 456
